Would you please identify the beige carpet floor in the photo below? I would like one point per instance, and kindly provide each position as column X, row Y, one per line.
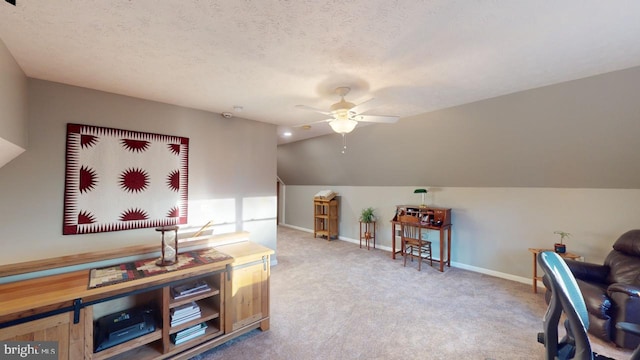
column 333, row 300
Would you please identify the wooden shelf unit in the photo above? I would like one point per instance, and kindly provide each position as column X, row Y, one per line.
column 211, row 307
column 39, row 309
column 325, row 218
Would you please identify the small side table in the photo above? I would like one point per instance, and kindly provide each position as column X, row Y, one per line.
column 368, row 233
column 535, row 253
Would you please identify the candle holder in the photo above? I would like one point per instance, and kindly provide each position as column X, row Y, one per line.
column 169, row 248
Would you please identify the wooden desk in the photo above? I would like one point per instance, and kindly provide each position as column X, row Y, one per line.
column 427, row 213
column 535, row 253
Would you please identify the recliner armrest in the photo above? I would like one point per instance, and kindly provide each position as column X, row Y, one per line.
column 588, row 271
column 628, row 289
column 629, row 327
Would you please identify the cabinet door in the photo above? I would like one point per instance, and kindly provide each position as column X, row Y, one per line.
column 248, row 295
column 58, row 328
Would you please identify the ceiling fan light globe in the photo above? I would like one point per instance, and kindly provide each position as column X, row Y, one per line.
column 343, row 126
column 341, row 114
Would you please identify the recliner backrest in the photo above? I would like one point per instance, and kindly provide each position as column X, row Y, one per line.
column 624, row 259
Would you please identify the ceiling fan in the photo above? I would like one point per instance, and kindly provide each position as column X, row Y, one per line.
column 346, row 115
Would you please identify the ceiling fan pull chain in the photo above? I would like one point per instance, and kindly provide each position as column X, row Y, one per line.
column 344, row 143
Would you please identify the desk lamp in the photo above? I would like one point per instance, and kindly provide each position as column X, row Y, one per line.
column 422, row 192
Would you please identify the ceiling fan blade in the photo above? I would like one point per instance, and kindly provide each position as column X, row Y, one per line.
column 305, row 107
column 377, row 118
column 312, row 123
column 364, row 106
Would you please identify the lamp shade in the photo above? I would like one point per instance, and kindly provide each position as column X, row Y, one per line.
column 343, row 126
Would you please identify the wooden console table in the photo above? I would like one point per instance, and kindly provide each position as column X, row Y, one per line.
column 438, row 219
column 62, row 308
column 535, row 253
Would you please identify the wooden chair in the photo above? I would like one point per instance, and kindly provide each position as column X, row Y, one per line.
column 412, row 242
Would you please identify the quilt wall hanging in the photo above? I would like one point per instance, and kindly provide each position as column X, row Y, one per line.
column 119, row 180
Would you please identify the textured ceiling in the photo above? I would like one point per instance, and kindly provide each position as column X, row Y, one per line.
column 268, row 56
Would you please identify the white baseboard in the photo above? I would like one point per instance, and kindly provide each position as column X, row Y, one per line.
column 297, row 228
column 498, row 274
column 458, row 265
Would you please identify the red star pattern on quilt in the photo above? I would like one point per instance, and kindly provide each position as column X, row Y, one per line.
column 119, row 179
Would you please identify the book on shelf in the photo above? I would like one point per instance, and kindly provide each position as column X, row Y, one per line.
column 189, row 333
column 184, row 290
column 187, row 338
column 190, row 330
column 183, row 320
column 325, row 195
column 185, row 313
column 184, row 309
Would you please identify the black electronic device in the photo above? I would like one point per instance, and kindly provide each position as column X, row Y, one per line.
column 114, row 329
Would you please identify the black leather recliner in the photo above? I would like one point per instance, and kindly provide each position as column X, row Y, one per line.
column 611, row 291
column 567, row 298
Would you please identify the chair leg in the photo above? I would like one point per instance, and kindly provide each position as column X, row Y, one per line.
column 404, row 248
column 430, row 255
column 419, row 258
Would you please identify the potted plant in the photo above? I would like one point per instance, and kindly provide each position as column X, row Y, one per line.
column 560, row 247
column 367, row 215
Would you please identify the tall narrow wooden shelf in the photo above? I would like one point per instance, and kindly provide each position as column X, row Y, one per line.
column 325, row 218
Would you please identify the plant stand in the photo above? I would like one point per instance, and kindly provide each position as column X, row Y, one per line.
column 368, row 233
column 535, row 252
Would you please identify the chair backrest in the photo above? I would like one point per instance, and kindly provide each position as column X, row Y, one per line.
column 566, row 296
column 410, row 227
column 624, row 259
column 629, row 243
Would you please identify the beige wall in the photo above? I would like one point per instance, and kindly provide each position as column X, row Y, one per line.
column 579, row 134
column 232, row 163
column 13, row 107
column 514, row 169
column 492, row 227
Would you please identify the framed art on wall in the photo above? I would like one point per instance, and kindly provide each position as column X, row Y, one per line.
column 119, row 179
